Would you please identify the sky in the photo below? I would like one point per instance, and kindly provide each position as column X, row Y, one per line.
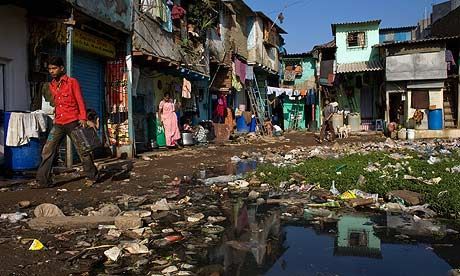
column 308, row 22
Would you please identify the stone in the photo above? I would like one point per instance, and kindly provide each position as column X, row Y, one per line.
column 128, row 223
column 24, row 204
column 196, row 217
column 136, row 248
column 409, row 197
column 48, row 210
column 260, row 201
column 113, row 253
column 109, row 210
column 69, row 223
column 253, row 195
column 170, row 269
column 139, row 214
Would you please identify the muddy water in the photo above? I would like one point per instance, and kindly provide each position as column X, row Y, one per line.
column 259, row 242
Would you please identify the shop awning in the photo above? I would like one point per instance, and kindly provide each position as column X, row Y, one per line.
column 356, row 67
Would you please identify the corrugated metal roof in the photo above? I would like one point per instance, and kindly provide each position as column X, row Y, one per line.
column 297, row 55
column 356, row 67
column 330, row 44
column 403, row 28
column 420, row 41
column 377, row 21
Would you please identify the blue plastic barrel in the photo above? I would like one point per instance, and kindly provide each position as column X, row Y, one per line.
column 435, row 119
column 241, row 125
column 22, row 158
column 252, row 127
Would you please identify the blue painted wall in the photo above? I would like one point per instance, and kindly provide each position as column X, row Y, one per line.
column 395, row 36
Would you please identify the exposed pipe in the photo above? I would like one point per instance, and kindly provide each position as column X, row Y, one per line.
column 69, row 61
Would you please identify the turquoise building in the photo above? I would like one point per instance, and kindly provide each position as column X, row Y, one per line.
column 358, row 70
column 299, row 74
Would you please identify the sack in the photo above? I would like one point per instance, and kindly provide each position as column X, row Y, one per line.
column 87, row 138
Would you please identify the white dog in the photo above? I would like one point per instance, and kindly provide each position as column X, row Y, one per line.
column 344, row 131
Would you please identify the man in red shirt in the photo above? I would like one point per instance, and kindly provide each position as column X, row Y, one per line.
column 70, row 113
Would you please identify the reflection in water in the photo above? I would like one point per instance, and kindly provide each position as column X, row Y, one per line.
column 257, row 244
column 252, row 243
column 356, row 237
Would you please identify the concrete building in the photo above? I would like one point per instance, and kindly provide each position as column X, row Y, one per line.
column 419, row 79
column 358, row 70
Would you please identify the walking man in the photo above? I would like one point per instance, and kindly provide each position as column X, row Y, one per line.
column 70, row 113
column 328, row 112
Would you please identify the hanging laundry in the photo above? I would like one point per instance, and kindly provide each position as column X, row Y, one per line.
column 250, row 72
column 178, row 12
column 289, row 75
column 168, row 24
column 298, row 70
column 279, row 91
column 236, row 84
column 240, row 70
column 23, row 126
column 450, row 60
column 186, row 89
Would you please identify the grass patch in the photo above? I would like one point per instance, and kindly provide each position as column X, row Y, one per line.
column 444, row 197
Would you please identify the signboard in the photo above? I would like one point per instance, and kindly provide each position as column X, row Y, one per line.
column 93, row 44
column 90, row 43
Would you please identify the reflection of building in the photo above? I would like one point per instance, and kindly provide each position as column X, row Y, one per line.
column 356, row 237
column 252, row 240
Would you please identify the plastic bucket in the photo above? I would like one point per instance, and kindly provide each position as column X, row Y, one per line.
column 354, row 120
column 411, row 134
column 241, row 125
column 252, row 127
column 337, row 121
column 402, row 134
column 435, row 119
column 22, row 158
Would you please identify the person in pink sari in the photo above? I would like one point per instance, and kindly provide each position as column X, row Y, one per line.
column 169, row 119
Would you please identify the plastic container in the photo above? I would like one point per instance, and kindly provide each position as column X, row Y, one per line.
column 22, row 158
column 337, row 121
column 252, row 127
column 160, row 133
column 411, row 134
column 354, row 120
column 435, row 119
column 402, row 134
column 241, row 125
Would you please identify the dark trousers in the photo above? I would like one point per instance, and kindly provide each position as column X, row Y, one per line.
column 327, row 125
column 57, row 134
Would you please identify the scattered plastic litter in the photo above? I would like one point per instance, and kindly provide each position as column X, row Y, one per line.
column 36, row 245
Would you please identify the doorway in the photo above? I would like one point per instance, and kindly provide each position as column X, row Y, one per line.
column 396, row 107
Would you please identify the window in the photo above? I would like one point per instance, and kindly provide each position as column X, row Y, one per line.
column 356, row 39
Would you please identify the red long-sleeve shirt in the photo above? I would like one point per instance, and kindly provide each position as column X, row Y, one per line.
column 68, row 100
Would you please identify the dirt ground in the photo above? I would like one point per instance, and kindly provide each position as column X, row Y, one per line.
column 146, row 177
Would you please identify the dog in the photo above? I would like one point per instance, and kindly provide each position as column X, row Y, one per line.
column 268, row 127
column 344, row 131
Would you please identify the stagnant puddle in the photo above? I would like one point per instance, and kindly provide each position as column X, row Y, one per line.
column 258, row 242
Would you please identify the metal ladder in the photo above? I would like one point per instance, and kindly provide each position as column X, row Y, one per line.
column 259, row 105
